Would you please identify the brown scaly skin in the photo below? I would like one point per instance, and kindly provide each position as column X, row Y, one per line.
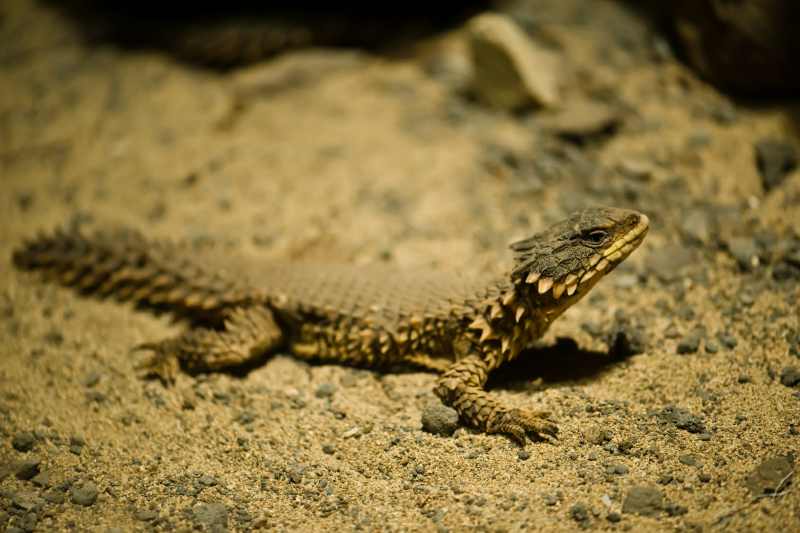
column 371, row 316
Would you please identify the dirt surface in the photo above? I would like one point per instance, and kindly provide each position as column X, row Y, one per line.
column 675, row 384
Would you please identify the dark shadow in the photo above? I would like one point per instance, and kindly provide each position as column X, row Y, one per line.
column 561, row 362
column 227, row 34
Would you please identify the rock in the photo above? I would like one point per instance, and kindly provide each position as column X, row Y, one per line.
column 667, row 262
column 582, row 119
column 727, row 340
column 643, row 500
column 145, row 515
column 745, row 251
column 207, row 480
column 439, row 419
column 210, row 514
column 617, row 469
column 636, row 169
column 24, row 441
column 26, row 501
column 42, row 479
column 510, row 71
column 774, row 159
column 76, row 444
column 689, row 343
column 624, row 340
column 682, row 419
column 696, row 226
column 579, row 512
column 790, row 376
column 325, row 390
column 771, row 476
column 673, row 509
column 84, row 494
column 54, row 496
column 328, row 448
column 749, row 46
column 26, row 470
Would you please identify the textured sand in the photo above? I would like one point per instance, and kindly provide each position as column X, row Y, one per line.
column 369, row 159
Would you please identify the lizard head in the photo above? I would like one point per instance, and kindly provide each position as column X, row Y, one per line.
column 562, row 263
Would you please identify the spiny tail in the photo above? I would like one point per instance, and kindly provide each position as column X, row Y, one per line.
column 123, row 265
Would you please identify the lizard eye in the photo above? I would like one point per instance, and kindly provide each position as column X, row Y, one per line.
column 595, row 237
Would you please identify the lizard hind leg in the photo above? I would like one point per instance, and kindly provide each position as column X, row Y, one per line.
column 462, row 387
column 248, row 334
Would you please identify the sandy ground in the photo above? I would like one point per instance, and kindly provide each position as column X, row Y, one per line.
column 336, row 154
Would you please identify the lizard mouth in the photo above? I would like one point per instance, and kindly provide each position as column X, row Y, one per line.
column 594, row 267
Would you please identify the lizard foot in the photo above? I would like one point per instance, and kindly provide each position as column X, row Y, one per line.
column 518, row 423
column 162, row 363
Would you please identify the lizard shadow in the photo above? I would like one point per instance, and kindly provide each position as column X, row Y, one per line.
column 561, row 362
column 554, row 364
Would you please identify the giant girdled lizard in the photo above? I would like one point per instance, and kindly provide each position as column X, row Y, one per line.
column 239, row 310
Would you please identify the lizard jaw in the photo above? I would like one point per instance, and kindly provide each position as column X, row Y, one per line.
column 578, row 282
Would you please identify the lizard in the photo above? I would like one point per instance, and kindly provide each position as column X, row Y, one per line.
column 239, row 310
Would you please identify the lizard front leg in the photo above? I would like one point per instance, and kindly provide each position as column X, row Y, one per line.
column 248, row 333
column 462, row 387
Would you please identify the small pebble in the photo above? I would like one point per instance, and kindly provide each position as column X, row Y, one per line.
column 619, row 470
column 84, row 494
column 91, row 379
column 790, row 376
column 682, row 419
column 579, row 512
column 208, row 481
column 689, row 344
column 745, row 251
column 775, row 159
column 27, row 469
column 771, row 475
column 643, row 500
column 212, row 515
column 54, row 496
column 328, row 448
column 145, row 515
column 727, row 340
column 674, row 509
column 23, row 442
column 325, row 390
column 439, row 419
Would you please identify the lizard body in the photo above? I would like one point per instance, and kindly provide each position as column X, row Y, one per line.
column 374, row 315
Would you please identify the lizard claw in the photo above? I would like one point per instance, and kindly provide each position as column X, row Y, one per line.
column 517, row 423
column 161, row 363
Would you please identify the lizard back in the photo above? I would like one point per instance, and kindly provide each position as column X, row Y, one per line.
column 199, row 284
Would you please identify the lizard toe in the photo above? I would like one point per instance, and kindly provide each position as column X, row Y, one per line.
column 518, row 423
column 161, row 363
